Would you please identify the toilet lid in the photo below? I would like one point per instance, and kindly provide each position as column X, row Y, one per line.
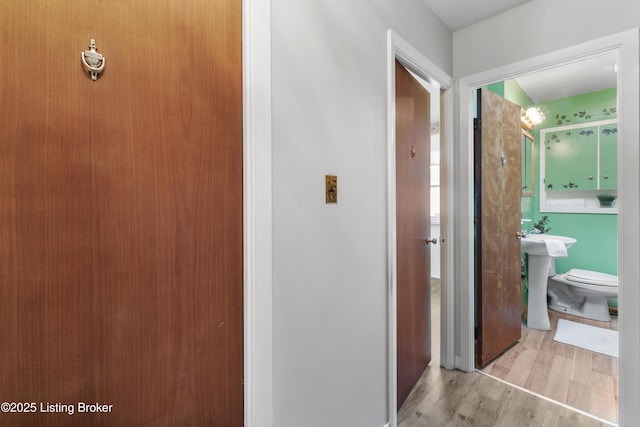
column 591, row 277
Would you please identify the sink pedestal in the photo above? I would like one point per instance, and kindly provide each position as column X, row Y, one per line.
column 537, row 314
column 539, row 260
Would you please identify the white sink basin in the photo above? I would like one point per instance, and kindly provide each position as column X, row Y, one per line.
column 533, row 244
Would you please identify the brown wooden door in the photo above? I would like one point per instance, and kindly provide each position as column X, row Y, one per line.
column 498, row 190
column 121, row 206
column 412, row 225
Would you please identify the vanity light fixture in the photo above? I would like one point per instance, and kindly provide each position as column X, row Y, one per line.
column 534, row 115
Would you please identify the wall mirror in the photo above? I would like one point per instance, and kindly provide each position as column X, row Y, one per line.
column 527, row 163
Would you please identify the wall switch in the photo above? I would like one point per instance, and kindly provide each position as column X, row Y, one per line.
column 331, row 188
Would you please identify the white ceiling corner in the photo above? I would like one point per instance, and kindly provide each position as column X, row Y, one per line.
column 458, row 14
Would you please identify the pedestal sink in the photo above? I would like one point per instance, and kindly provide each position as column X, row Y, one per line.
column 539, row 260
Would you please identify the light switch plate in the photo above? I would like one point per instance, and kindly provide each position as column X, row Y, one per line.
column 331, row 188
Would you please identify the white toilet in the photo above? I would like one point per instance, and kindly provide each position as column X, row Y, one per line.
column 582, row 293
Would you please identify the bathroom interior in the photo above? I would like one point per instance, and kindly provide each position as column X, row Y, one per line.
column 568, row 237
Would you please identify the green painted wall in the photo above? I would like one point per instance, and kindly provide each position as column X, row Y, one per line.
column 511, row 91
column 497, row 88
column 514, row 93
column 596, row 234
column 585, row 108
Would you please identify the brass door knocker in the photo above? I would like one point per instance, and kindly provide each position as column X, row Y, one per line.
column 93, row 61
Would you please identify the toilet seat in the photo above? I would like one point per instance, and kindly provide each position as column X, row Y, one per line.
column 591, row 277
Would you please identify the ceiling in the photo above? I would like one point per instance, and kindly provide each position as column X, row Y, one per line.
column 584, row 76
column 573, row 79
column 458, row 14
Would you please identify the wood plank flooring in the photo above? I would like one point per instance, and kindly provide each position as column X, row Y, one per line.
column 579, row 378
column 444, row 398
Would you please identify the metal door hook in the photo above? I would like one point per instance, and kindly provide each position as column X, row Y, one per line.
column 93, row 61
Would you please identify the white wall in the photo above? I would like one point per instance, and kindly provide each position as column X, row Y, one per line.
column 329, row 276
column 544, row 27
column 539, row 27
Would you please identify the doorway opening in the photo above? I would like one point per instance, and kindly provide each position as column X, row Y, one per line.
column 625, row 46
column 578, row 102
column 415, row 62
column 435, row 194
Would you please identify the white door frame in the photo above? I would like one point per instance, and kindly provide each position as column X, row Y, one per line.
column 258, row 315
column 627, row 47
column 414, row 61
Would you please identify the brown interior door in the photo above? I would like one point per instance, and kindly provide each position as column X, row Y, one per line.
column 412, row 225
column 121, row 205
column 498, row 189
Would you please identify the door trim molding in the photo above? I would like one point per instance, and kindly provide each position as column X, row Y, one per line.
column 626, row 45
column 257, row 213
column 416, row 62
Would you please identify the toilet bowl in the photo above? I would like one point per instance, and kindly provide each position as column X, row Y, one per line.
column 582, row 293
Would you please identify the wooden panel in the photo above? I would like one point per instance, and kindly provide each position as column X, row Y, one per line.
column 412, row 225
column 168, row 159
column 45, row 209
column 498, row 172
column 122, row 275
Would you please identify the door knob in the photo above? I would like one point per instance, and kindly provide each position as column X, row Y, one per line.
column 520, row 235
column 432, row 241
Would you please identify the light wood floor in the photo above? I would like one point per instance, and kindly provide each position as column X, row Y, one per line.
column 579, row 378
column 444, row 398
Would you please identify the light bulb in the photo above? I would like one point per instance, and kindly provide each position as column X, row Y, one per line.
column 535, row 115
